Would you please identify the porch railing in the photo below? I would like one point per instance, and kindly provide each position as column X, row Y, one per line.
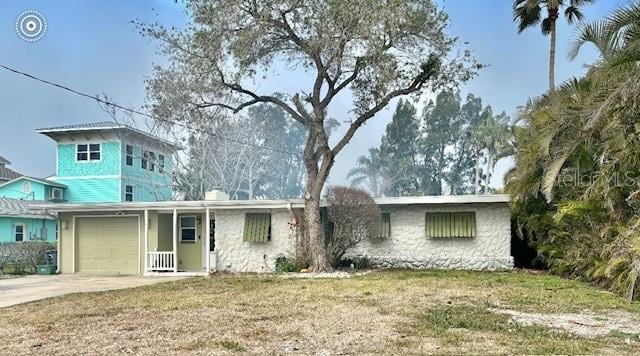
column 160, row 261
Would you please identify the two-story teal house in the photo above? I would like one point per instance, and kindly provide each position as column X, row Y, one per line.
column 99, row 162
column 111, row 162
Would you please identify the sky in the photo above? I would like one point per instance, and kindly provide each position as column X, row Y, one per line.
column 92, row 46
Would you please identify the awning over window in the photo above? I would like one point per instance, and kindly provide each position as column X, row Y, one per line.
column 257, row 227
column 450, row 225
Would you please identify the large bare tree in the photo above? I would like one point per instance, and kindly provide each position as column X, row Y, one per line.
column 376, row 50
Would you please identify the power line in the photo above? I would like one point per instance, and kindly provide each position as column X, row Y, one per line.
column 141, row 113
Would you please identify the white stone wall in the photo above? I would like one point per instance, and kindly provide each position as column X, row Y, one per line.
column 236, row 255
column 408, row 246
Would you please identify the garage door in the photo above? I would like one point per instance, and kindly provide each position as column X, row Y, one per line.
column 107, row 245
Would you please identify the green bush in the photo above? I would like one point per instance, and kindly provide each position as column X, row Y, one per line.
column 285, row 264
column 23, row 257
column 357, row 263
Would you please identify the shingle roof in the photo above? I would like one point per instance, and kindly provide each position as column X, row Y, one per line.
column 23, row 208
column 8, row 174
column 103, row 126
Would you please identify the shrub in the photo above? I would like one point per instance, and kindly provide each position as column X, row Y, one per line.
column 354, row 215
column 22, row 257
column 358, row 263
column 285, row 264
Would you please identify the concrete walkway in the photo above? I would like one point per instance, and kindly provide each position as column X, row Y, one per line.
column 30, row 288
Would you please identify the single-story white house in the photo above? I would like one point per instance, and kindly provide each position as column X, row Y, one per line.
column 198, row 237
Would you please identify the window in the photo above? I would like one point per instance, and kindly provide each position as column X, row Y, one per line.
column 129, row 155
column 145, row 159
column 19, row 232
column 152, row 161
column 55, row 194
column 161, row 163
column 257, row 227
column 451, row 225
column 94, row 152
column 26, row 187
column 188, row 228
column 128, row 193
column 384, row 230
column 88, row 152
column 81, row 152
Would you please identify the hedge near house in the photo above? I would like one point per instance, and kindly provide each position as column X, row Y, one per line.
column 23, row 257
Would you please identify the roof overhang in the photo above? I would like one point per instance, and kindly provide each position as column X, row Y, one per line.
column 263, row 204
column 36, row 180
column 55, row 133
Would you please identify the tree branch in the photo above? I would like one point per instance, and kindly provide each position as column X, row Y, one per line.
column 256, row 99
column 427, row 72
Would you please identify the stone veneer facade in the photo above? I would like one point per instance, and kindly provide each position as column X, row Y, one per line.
column 236, row 255
column 407, row 247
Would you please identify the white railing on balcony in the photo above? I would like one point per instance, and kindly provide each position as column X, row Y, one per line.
column 160, row 261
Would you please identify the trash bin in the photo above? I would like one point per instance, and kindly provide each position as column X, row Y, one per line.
column 51, row 261
column 51, row 257
column 46, row 269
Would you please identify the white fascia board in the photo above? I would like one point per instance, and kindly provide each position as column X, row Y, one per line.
column 265, row 204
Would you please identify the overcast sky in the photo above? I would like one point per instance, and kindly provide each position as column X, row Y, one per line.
column 91, row 46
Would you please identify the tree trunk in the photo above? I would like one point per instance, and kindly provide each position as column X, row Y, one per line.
column 318, row 160
column 477, row 180
column 552, row 54
column 489, row 169
column 250, row 193
column 313, row 225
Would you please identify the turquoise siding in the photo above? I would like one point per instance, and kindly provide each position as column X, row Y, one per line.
column 109, row 163
column 91, row 190
column 147, row 185
column 33, row 228
column 106, row 179
column 14, row 190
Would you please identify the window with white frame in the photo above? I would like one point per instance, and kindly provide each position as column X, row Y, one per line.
column 19, row 232
column 128, row 193
column 26, row 187
column 188, row 224
column 128, row 155
column 88, row 152
column 56, row 194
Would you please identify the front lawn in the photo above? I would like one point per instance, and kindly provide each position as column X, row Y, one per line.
column 398, row 312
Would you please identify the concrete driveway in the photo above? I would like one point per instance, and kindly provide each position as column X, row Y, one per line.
column 29, row 288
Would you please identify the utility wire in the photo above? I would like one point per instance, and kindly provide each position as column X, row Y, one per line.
column 141, row 113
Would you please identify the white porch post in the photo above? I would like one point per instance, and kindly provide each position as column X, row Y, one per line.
column 175, row 240
column 146, row 240
column 207, row 243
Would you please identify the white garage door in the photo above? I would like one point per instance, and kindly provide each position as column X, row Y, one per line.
column 107, row 245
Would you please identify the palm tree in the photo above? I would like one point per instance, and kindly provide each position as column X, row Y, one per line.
column 369, row 172
column 587, row 129
column 528, row 13
column 616, row 38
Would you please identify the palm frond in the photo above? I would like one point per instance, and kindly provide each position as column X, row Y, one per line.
column 592, row 33
column 573, row 14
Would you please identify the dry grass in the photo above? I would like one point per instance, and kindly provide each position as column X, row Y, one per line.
column 380, row 313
